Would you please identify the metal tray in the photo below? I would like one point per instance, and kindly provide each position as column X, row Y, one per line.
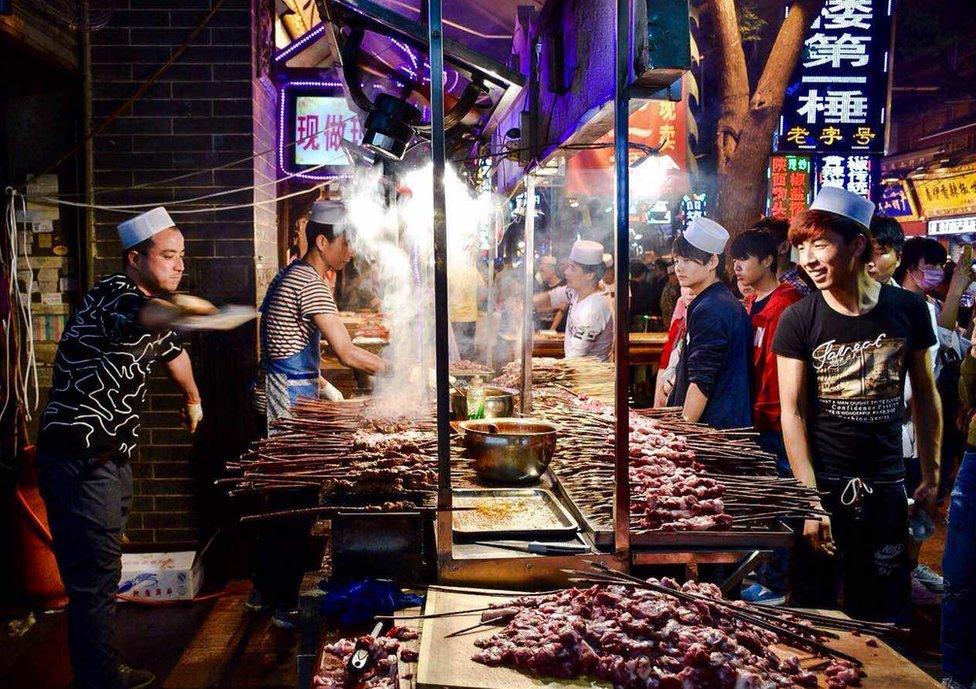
column 568, row 526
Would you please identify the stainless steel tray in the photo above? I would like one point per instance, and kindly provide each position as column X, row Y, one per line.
column 567, row 524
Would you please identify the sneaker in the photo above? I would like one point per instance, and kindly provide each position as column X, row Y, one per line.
column 949, row 683
column 760, row 595
column 923, row 595
column 255, row 602
column 930, row 579
column 136, row 679
column 285, row 619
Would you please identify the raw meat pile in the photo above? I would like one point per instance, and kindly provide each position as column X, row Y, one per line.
column 668, row 490
column 640, row 639
column 384, row 671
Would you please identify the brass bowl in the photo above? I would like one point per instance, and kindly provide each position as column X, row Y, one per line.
column 509, row 451
column 499, row 402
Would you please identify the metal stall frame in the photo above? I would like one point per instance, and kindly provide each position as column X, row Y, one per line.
column 538, row 571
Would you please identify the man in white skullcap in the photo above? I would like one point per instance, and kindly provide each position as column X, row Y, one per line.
column 712, row 379
column 589, row 323
column 298, row 310
column 90, row 428
column 843, row 354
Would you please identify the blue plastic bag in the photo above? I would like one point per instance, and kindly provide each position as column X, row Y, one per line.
column 358, row 602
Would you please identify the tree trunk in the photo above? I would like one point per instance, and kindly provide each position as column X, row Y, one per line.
column 742, row 195
column 734, row 85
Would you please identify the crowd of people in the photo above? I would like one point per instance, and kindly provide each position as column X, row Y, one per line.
column 852, row 353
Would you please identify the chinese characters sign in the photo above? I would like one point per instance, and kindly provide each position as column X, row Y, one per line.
column 962, row 225
column 658, row 124
column 837, row 97
column 790, row 180
column 947, row 195
column 896, row 201
column 857, row 174
column 321, row 123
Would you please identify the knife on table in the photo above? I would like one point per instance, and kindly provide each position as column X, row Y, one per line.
column 539, row 547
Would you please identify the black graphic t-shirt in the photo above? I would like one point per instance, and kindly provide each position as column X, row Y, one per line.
column 856, row 368
column 99, row 384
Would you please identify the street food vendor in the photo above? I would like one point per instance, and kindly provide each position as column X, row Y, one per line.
column 713, row 372
column 90, row 428
column 299, row 309
column 589, row 323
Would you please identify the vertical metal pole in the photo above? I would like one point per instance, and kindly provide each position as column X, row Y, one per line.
column 435, row 37
column 527, row 312
column 621, row 117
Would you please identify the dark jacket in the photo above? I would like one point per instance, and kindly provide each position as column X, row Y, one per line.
column 718, row 347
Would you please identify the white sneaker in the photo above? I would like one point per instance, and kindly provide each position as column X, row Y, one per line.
column 929, row 578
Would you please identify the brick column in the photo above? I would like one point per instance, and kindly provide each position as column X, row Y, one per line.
column 208, row 110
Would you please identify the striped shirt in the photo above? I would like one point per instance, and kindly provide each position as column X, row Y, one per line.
column 295, row 295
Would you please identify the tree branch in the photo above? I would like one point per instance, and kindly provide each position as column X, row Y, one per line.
column 734, row 80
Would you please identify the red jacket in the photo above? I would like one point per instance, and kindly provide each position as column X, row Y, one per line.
column 765, row 384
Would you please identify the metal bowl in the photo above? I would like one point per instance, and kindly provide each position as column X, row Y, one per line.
column 509, row 451
column 499, row 402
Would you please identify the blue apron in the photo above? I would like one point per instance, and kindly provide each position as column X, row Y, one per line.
column 292, row 377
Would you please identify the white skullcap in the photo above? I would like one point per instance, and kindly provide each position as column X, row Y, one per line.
column 142, row 227
column 846, row 203
column 328, row 213
column 706, row 235
column 586, row 252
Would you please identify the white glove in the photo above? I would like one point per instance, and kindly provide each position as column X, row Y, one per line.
column 330, row 392
column 192, row 416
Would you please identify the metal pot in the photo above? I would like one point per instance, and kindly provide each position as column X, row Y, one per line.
column 509, row 451
column 499, row 402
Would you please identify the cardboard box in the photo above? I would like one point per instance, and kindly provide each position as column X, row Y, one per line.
column 161, row 576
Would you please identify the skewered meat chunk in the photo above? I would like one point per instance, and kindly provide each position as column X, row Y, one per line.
column 642, row 639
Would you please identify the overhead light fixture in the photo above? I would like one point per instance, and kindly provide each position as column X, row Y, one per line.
column 390, row 126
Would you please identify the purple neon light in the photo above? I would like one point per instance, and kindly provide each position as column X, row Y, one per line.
column 281, row 129
column 301, row 42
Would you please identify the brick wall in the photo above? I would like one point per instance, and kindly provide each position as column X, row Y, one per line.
column 206, row 111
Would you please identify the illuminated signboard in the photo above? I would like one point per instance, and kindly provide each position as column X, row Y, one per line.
column 314, row 119
column 858, row 174
column 790, row 182
column 692, row 206
column 837, row 97
column 950, row 193
column 896, row 201
column 952, row 225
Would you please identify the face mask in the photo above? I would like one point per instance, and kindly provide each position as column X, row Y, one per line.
column 929, row 278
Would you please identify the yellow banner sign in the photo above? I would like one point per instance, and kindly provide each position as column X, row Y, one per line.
column 953, row 193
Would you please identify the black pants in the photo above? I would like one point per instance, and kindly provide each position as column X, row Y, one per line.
column 872, row 562
column 281, row 549
column 87, row 505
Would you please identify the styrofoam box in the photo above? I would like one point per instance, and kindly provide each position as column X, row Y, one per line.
column 161, row 576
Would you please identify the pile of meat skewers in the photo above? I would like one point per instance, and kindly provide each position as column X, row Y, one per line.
column 683, row 476
column 643, row 639
column 383, row 671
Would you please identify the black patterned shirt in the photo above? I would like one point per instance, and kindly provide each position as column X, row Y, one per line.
column 103, row 363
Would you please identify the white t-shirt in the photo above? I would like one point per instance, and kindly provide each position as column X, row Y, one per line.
column 589, row 323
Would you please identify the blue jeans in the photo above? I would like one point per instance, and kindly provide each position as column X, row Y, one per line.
column 87, row 504
column 772, row 574
column 959, row 572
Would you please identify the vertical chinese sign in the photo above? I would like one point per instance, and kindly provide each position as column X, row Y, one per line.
column 790, row 182
column 837, row 99
column 856, row 173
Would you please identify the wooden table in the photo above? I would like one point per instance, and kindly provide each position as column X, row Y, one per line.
column 645, row 348
column 445, row 663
